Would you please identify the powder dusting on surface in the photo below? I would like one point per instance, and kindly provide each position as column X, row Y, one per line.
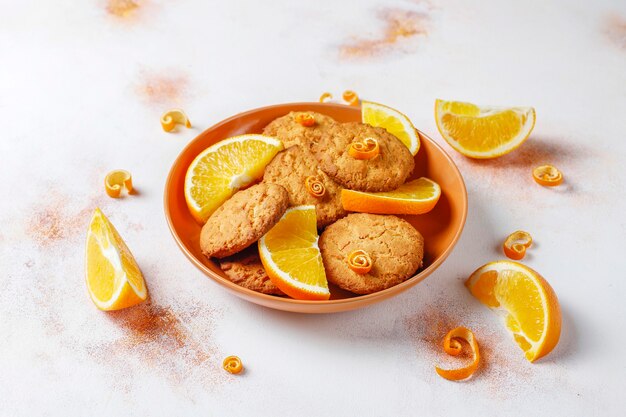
column 161, row 339
column 53, row 224
column 162, row 89
column 502, row 363
column 615, row 30
column 503, row 372
column 400, row 26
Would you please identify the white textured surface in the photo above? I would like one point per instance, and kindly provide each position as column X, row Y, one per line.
column 81, row 92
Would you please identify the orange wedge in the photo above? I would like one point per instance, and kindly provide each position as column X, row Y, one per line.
column 414, row 197
column 222, row 169
column 113, row 278
column 292, row 258
column 393, row 121
column 531, row 308
column 483, row 131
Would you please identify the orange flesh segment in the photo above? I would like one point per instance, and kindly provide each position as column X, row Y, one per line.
column 532, row 310
column 414, row 197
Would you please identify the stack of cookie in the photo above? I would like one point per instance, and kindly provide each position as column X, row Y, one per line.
column 318, row 162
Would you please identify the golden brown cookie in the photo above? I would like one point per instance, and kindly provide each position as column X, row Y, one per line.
column 243, row 219
column 394, row 246
column 290, row 132
column 246, row 270
column 385, row 172
column 291, row 168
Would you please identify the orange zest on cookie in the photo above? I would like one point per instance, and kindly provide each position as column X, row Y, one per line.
column 351, row 97
column 516, row 244
column 326, row 97
column 452, row 346
column 547, row 175
column 360, row 261
column 233, row 365
column 314, row 187
column 171, row 118
column 115, row 180
column 305, row 119
column 364, row 149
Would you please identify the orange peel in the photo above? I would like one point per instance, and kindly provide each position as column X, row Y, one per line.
column 367, row 148
column 351, row 97
column 360, row 261
column 547, row 175
column 232, row 364
column 516, row 243
column 171, row 118
column 116, row 180
column 305, row 119
column 452, row 346
column 314, row 187
column 325, row 97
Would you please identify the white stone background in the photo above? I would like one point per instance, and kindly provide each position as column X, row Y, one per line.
column 82, row 87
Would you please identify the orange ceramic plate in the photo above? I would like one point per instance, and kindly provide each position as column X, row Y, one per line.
column 441, row 227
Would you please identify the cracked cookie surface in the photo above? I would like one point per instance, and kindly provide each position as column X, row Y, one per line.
column 395, row 247
column 290, row 168
column 290, row 132
column 243, row 219
column 385, row 172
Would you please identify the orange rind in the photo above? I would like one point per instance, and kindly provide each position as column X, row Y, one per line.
column 116, row 180
column 516, row 244
column 314, row 187
column 452, row 346
column 367, row 148
column 360, row 261
column 171, row 118
column 232, row 364
column 548, row 176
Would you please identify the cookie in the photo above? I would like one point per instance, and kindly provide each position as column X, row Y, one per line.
column 291, row 168
column 385, row 172
column 243, row 219
column 246, row 270
column 290, row 132
column 394, row 246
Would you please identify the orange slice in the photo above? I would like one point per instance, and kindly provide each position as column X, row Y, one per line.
column 113, row 278
column 393, row 121
column 531, row 308
column 414, row 197
column 483, row 131
column 291, row 256
column 222, row 169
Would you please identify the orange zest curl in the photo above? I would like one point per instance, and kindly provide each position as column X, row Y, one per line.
column 516, row 244
column 314, row 187
column 171, row 118
column 364, row 149
column 115, row 180
column 360, row 261
column 452, row 346
column 351, row 97
column 233, row 364
column 326, row 97
column 547, row 175
column 305, row 119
